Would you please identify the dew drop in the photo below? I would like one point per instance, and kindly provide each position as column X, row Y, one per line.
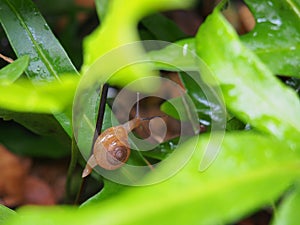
column 261, row 20
column 276, row 21
column 185, row 49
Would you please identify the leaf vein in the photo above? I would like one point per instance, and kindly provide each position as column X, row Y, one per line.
column 34, row 42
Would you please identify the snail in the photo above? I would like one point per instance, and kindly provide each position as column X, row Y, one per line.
column 111, row 149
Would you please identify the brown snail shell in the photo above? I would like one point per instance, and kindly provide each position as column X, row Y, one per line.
column 111, row 149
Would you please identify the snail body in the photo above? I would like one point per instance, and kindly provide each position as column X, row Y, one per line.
column 111, row 149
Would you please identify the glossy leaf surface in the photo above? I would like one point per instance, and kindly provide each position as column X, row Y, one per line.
column 197, row 91
column 163, row 150
column 29, row 34
column 276, row 36
column 244, row 182
column 294, row 83
column 13, row 71
column 250, row 90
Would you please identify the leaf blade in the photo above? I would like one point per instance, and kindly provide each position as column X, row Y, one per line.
column 31, row 144
column 275, row 38
column 41, row 98
column 5, row 214
column 30, row 35
column 244, row 182
column 263, row 103
column 13, row 71
column 288, row 210
column 116, row 38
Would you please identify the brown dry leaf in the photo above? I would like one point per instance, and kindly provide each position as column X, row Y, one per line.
column 20, row 186
column 13, row 173
column 53, row 173
column 85, row 3
column 38, row 192
column 246, row 18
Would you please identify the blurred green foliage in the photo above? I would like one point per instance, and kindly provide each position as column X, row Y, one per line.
column 253, row 169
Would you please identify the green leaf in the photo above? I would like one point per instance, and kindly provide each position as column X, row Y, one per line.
column 275, row 38
column 169, row 107
column 110, row 189
column 250, row 90
column 5, row 214
column 180, row 108
column 198, row 96
column 243, row 176
column 102, row 7
column 23, row 142
column 234, row 124
column 41, row 125
column 29, row 34
column 13, row 71
column 22, row 96
column 163, row 150
column 294, row 83
column 288, row 211
column 171, row 59
column 162, row 28
column 205, row 109
column 85, row 118
column 115, row 33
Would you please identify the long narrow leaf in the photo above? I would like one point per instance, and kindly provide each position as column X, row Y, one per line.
column 275, row 38
column 250, row 90
column 288, row 211
column 5, row 214
column 30, row 35
column 13, row 71
column 40, row 98
column 241, row 180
